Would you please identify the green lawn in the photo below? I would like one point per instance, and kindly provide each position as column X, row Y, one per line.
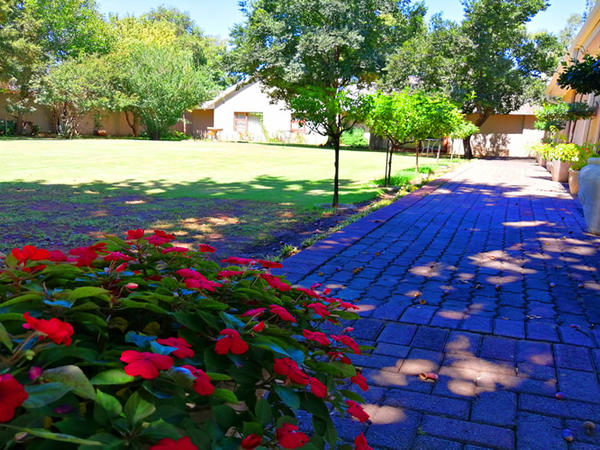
column 56, row 191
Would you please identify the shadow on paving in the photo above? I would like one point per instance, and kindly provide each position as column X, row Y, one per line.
column 235, row 217
column 495, row 288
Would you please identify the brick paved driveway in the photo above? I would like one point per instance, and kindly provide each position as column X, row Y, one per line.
column 487, row 280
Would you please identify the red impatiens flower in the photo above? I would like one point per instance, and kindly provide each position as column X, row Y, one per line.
column 347, row 305
column 118, row 256
column 360, row 443
column 57, row 256
column 145, row 364
column 251, row 441
column 254, row 312
column 184, row 443
column 316, row 336
column 275, row 282
column 30, row 253
column 317, row 388
column 205, row 248
column 238, row 261
column 282, row 313
column 231, row 342
column 57, row 330
column 356, row 411
column 289, row 368
column 12, row 395
column 320, row 309
column 340, row 357
column 260, row 326
column 184, row 350
column 189, row 273
column 175, row 250
column 202, row 384
column 134, row 235
column 360, row 381
column 289, row 436
column 160, row 238
column 308, row 292
column 269, row 264
column 229, row 273
column 201, row 283
column 87, row 255
column 347, row 341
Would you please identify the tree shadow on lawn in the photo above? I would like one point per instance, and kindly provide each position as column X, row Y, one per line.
column 252, row 218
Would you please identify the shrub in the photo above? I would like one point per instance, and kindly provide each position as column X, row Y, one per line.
column 585, row 152
column 564, row 152
column 544, row 150
column 355, row 138
column 131, row 343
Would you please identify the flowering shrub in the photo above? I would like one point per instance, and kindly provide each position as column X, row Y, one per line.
column 138, row 343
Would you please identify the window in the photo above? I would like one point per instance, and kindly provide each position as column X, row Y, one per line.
column 240, row 122
column 297, row 126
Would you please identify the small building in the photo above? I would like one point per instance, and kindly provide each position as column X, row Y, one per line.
column 246, row 112
column 587, row 41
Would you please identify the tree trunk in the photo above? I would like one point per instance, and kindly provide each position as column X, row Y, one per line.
column 419, row 148
column 467, row 147
column 387, row 163
column 336, row 177
column 389, row 168
column 131, row 122
column 19, row 126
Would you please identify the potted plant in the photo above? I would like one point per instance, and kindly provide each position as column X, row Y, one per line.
column 562, row 156
column 542, row 150
column 586, row 151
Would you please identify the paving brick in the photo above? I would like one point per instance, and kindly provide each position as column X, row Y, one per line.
column 427, row 403
column 535, row 352
column 573, row 357
column 580, row 434
column 367, row 329
column 431, row 443
column 498, row 348
column 395, row 333
column 541, row 331
column 535, row 432
column 398, row 351
column 496, row 408
column 381, row 362
column 469, row 432
column 430, row 338
column 420, row 314
column 561, row 408
column 477, row 323
column 579, row 385
column 397, row 428
column 575, row 336
column 510, row 328
column 391, row 310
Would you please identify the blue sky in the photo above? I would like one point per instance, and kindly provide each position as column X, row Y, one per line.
column 217, row 17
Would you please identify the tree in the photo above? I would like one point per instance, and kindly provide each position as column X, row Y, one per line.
column 555, row 116
column 493, row 65
column 582, row 76
column 309, row 53
column 405, row 117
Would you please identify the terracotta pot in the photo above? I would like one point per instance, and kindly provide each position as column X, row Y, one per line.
column 560, row 171
column 549, row 165
column 589, row 194
column 101, row 132
column 543, row 162
column 573, row 181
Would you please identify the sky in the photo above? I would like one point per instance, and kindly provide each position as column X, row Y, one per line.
column 217, row 17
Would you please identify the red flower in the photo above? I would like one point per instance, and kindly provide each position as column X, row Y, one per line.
column 308, row 292
column 184, row 350
column 232, row 342
column 251, row 441
column 320, row 309
column 30, row 253
column 189, row 273
column 360, row 443
column 85, row 255
column 170, row 444
column 121, row 267
column 118, row 256
column 290, row 369
column 260, row 326
column 202, row 384
column 288, row 436
column 282, row 313
column 254, row 312
column 317, row 388
column 347, row 305
column 275, row 282
column 360, row 381
column 57, row 330
column 12, row 395
column 205, row 248
column 339, row 356
column 347, row 341
column 145, row 364
column 160, row 238
column 57, row 256
column 229, row 273
column 355, row 410
column 175, row 250
column 238, row 261
column 269, row 264
column 201, row 283
column 135, row 234
column 316, row 336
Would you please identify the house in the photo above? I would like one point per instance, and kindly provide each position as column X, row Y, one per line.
column 245, row 112
column 587, row 41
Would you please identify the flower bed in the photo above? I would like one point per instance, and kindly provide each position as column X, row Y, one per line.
column 137, row 343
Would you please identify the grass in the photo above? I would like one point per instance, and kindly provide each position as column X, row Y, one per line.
column 55, row 192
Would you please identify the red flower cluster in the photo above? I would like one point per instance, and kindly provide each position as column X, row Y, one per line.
column 275, row 282
column 184, row 443
column 260, row 326
column 282, row 313
column 202, row 384
column 160, row 238
column 289, row 368
column 195, row 280
column 87, row 255
column 134, row 235
column 57, row 330
column 238, row 261
column 320, row 309
column 118, row 256
column 174, row 250
column 229, row 273
column 360, row 381
column 231, row 342
column 145, row 364
column 289, row 436
column 184, row 349
column 205, row 248
column 316, row 336
column 269, row 264
column 12, row 395
column 356, row 411
column 348, row 342
column 251, row 441
column 254, row 312
column 317, row 388
column 30, row 253
column 360, row 443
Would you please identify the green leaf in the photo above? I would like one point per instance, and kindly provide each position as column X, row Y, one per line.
column 34, row 296
column 73, row 377
column 44, row 434
column 137, row 409
column 109, row 442
column 335, row 368
column 226, row 395
column 225, row 416
column 288, row 396
column 315, row 406
column 5, row 338
column 113, row 376
column 218, row 376
column 88, row 291
column 41, row 395
column 159, row 430
column 279, row 346
column 110, row 404
column 263, row 412
column 252, row 428
column 352, row 396
column 147, row 306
